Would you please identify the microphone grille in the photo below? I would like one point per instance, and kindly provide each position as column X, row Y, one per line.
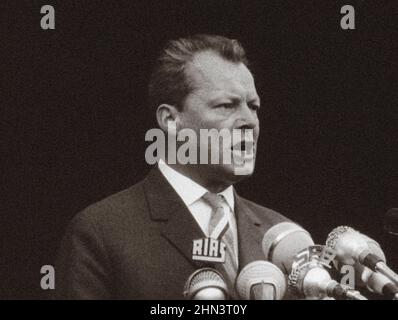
column 335, row 234
column 260, row 272
column 204, row 278
column 293, row 281
column 349, row 243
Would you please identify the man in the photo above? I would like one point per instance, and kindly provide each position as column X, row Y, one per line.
column 139, row 243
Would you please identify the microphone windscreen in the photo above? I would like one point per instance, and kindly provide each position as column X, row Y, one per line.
column 204, row 279
column 282, row 242
column 260, row 273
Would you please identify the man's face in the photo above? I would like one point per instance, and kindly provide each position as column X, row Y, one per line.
column 224, row 97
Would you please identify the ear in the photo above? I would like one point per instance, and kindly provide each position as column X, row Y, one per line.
column 165, row 114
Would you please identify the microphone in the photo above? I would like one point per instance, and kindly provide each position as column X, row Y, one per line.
column 380, row 284
column 390, row 224
column 310, row 280
column 261, row 280
column 206, row 284
column 282, row 242
column 352, row 246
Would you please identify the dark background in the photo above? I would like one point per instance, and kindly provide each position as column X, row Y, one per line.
column 75, row 116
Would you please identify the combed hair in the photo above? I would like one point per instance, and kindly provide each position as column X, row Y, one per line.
column 168, row 82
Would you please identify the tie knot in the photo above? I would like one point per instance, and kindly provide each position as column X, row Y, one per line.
column 214, row 200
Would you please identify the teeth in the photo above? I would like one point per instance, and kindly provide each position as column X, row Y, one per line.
column 238, row 147
column 241, row 146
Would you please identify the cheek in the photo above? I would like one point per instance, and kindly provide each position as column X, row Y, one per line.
column 191, row 121
column 198, row 118
column 210, row 121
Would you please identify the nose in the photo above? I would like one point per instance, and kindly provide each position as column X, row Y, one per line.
column 247, row 118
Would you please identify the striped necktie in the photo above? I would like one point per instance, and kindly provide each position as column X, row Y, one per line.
column 219, row 228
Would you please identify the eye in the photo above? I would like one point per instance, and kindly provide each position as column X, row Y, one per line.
column 254, row 106
column 225, row 105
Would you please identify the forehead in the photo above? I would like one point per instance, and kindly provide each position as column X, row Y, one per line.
column 209, row 72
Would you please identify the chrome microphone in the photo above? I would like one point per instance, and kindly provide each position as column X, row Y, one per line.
column 309, row 279
column 282, row 242
column 206, row 284
column 261, row 280
column 352, row 246
column 380, row 284
column 390, row 223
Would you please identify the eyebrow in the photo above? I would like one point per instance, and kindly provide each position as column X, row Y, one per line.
column 235, row 98
column 255, row 99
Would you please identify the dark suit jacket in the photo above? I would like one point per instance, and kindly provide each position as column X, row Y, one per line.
column 137, row 244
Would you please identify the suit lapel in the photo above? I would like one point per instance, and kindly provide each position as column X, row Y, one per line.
column 180, row 227
column 249, row 241
column 249, row 233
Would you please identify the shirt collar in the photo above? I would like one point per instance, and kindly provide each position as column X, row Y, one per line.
column 188, row 190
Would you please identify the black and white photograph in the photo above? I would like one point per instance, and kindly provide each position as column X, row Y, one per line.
column 199, row 150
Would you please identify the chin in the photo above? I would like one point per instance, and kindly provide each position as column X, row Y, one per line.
column 233, row 173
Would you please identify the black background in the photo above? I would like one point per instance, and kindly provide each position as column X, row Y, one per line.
column 75, row 114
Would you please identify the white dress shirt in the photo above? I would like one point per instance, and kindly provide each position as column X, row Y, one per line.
column 191, row 194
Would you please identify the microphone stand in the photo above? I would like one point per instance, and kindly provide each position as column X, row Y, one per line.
column 343, row 292
column 355, row 295
column 378, row 265
column 386, row 271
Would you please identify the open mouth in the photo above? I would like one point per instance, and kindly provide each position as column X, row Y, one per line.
column 243, row 146
column 243, row 157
